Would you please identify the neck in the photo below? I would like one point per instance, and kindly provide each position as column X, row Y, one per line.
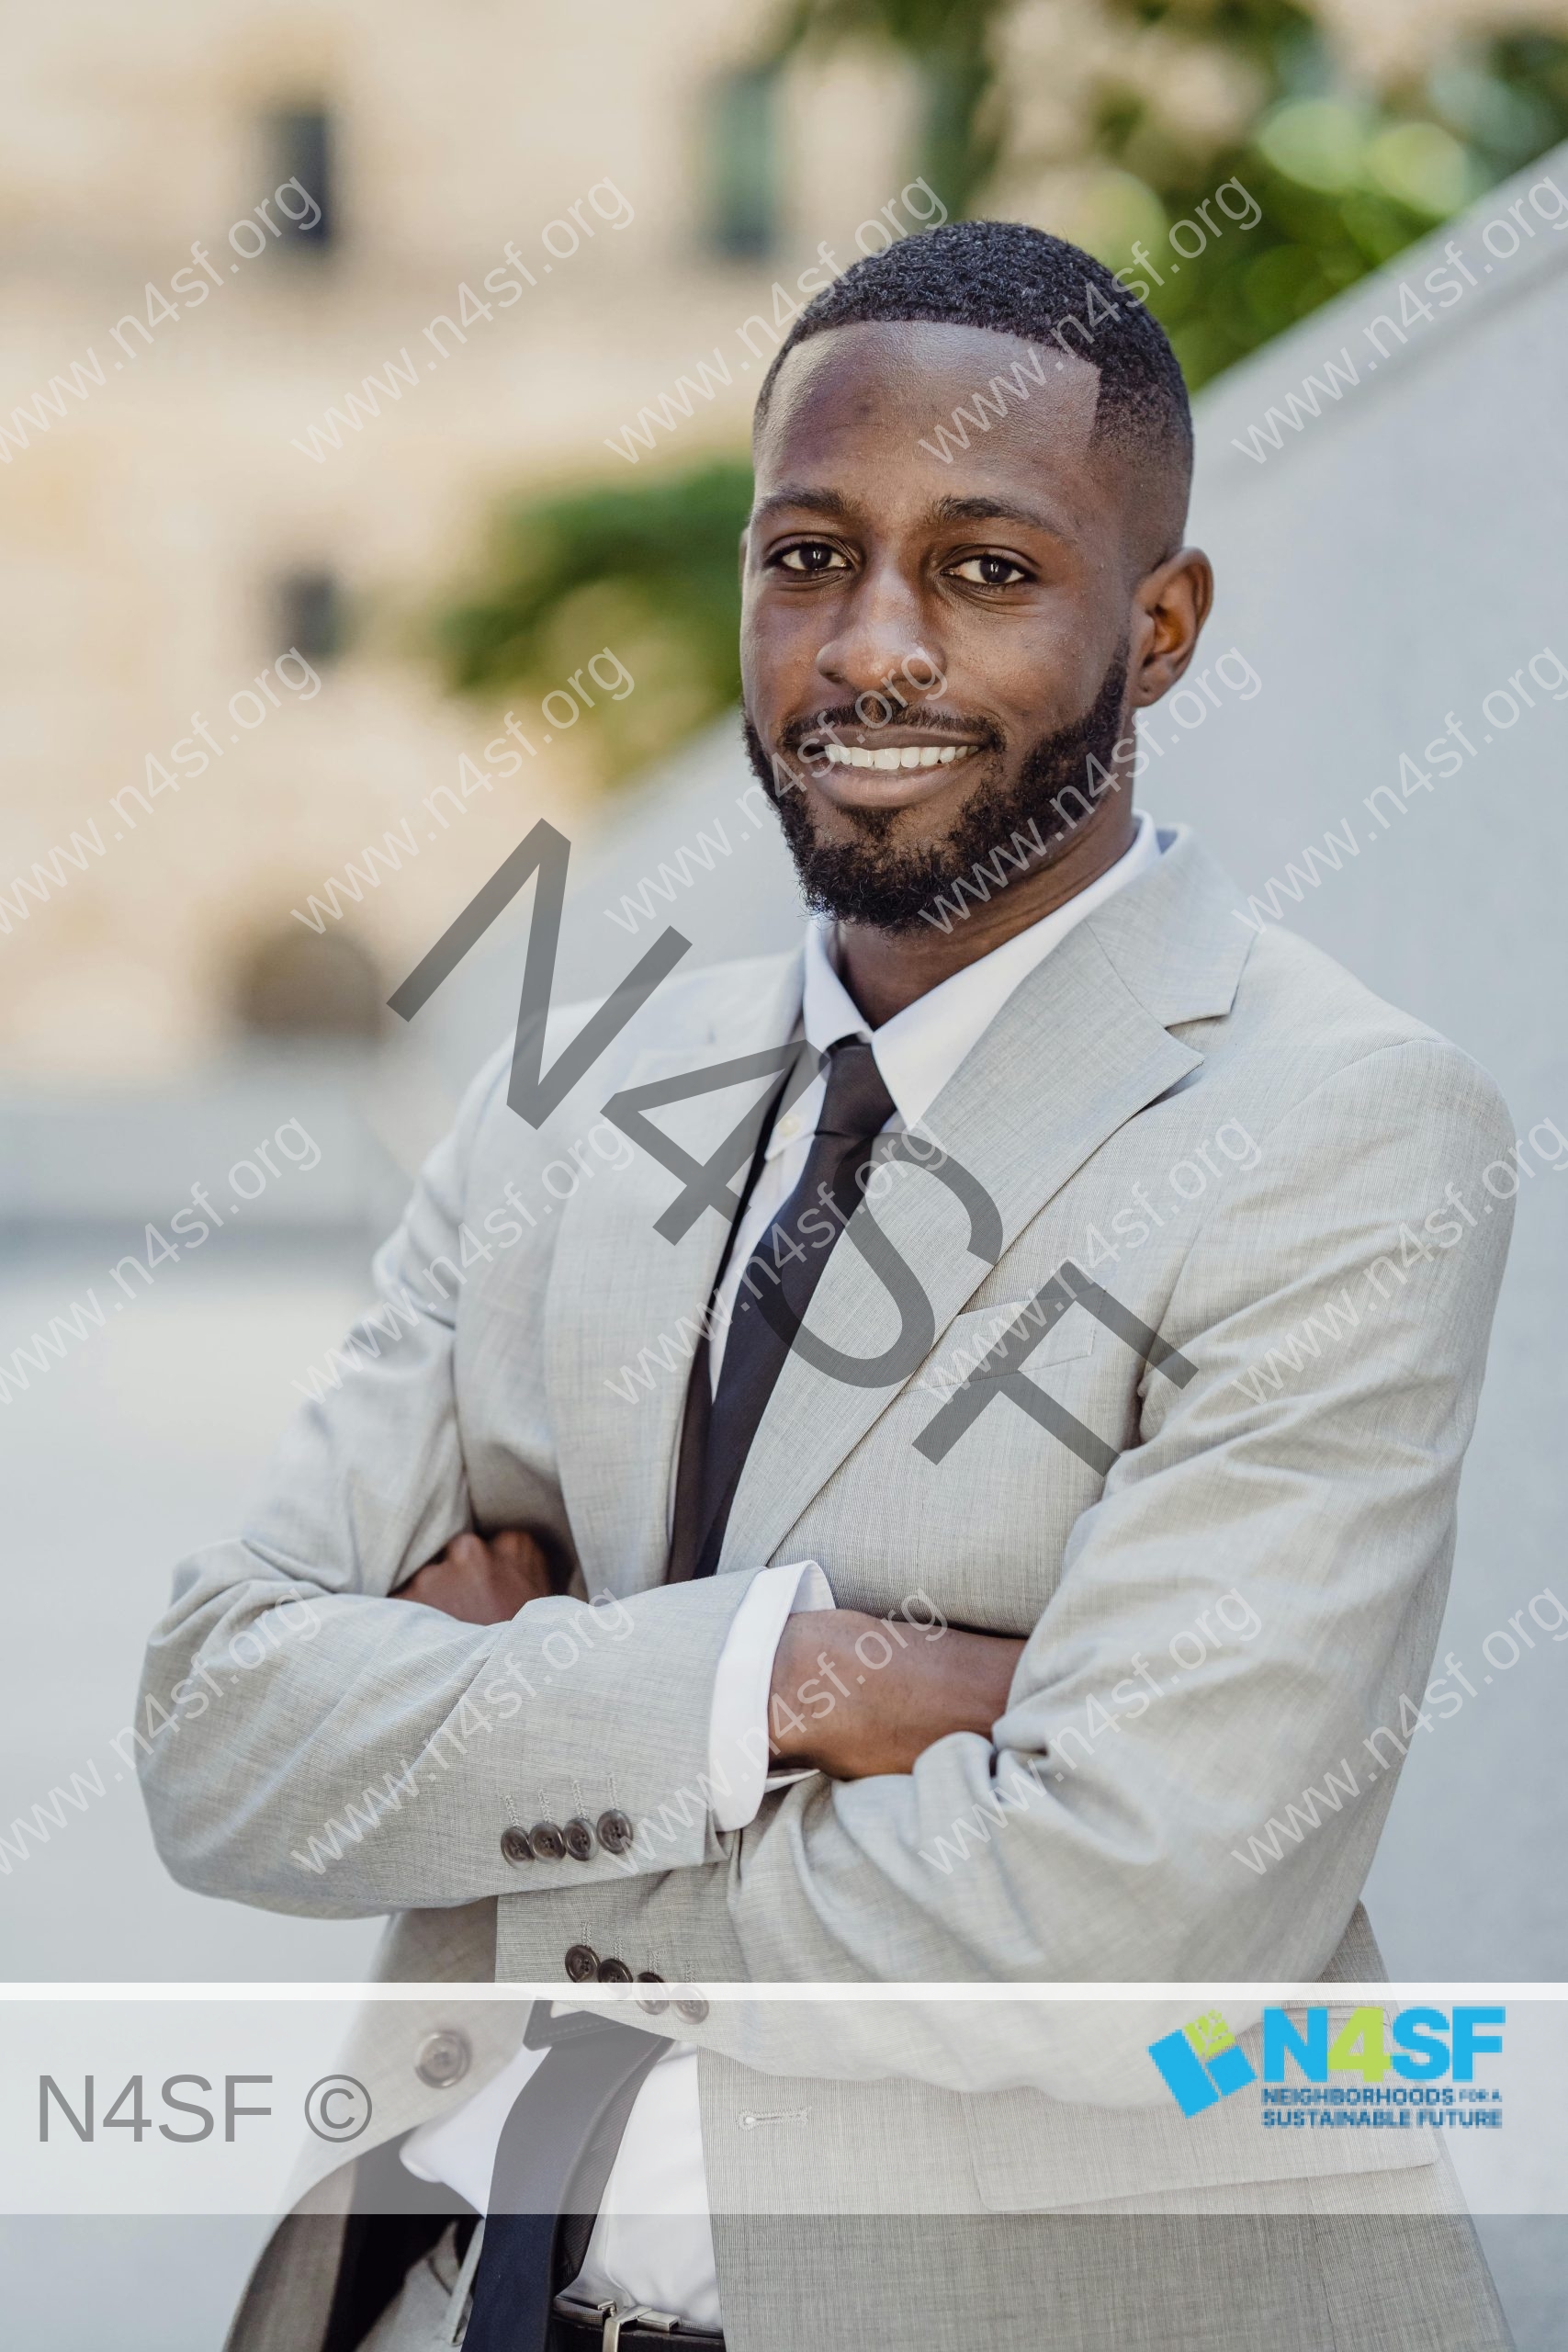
column 883, row 971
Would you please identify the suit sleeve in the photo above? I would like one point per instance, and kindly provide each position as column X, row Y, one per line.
column 1299, row 1491
column 309, row 1743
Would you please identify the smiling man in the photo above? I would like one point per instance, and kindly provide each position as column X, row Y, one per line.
column 1042, row 593
column 1084, row 1322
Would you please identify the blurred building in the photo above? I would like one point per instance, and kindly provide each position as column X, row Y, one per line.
column 291, row 294
column 227, row 433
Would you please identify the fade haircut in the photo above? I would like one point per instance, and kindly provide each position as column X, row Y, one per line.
column 1019, row 281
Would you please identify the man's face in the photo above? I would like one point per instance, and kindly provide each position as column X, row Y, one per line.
column 967, row 614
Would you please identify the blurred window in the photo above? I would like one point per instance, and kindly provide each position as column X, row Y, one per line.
column 742, row 167
column 311, row 614
column 293, row 984
column 302, row 149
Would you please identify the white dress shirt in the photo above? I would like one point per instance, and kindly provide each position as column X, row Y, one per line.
column 652, row 2242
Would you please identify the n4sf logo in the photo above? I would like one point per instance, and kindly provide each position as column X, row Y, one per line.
column 1204, row 2062
column 533, row 1093
column 1429, row 2045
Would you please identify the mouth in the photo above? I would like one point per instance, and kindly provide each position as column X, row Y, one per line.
column 863, row 769
column 890, row 756
column 884, row 777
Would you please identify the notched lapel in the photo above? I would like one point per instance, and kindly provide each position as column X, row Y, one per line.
column 621, row 1315
column 1069, row 1058
column 1075, row 1052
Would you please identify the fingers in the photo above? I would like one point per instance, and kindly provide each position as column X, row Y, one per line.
column 523, row 1562
column 516, row 1548
column 509, row 1547
column 458, row 1582
column 483, row 1582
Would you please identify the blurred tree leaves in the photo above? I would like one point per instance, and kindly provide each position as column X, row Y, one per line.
column 1344, row 176
column 648, row 569
column 1169, row 101
column 1179, row 96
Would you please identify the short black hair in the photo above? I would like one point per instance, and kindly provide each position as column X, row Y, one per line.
column 1018, row 281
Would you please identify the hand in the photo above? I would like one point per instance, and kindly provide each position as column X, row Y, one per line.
column 831, row 1705
column 482, row 1583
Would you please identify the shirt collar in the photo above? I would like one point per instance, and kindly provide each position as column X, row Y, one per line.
column 918, row 1050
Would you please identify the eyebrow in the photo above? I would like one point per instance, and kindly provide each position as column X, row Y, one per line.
column 985, row 509
column 836, row 507
column 814, row 502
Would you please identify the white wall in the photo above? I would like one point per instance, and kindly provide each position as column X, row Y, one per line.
column 1395, row 561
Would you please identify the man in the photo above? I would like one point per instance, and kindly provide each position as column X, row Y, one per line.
column 1148, row 1360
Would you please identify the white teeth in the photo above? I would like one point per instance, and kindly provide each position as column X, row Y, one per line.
column 844, row 755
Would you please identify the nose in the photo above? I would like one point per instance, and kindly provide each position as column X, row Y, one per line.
column 883, row 644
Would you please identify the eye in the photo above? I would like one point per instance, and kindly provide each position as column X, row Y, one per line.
column 812, row 557
column 990, row 571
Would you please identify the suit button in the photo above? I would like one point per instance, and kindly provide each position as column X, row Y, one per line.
column 442, row 2060
column 651, row 2008
column 546, row 1841
column 616, row 1832
column 515, row 1845
column 582, row 1964
column 614, row 1971
column 693, row 2011
column 578, row 1836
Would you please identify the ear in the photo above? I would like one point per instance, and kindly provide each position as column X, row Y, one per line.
column 1170, row 608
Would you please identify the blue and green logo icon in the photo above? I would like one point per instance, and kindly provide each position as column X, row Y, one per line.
column 1203, row 2063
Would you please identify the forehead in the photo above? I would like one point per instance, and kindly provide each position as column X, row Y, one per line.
column 867, row 412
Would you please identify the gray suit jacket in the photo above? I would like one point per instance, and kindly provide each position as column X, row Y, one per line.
column 1250, row 1153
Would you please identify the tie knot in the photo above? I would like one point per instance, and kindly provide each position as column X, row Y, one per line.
column 856, row 1103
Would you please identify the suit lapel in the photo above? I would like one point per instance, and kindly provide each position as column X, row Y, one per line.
column 1080, row 1047
column 620, row 1315
column 1075, row 1052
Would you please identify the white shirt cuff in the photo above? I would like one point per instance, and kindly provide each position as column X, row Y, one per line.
column 738, row 1725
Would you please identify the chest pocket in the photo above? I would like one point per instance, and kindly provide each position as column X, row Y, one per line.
column 980, row 1533
column 967, row 1338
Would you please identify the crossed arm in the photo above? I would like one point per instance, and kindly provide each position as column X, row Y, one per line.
column 1327, row 1501
column 877, row 1722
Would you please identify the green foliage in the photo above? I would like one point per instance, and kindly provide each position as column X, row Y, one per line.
column 648, row 569
column 1343, row 179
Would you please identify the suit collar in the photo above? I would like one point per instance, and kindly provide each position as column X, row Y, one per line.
column 621, row 1312
column 919, row 1048
column 1081, row 1046
column 1173, row 936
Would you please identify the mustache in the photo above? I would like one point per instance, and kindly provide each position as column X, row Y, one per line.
column 801, row 735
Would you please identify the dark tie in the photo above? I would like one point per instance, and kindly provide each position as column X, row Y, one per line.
column 554, row 2155
column 770, row 1305
column 563, row 2133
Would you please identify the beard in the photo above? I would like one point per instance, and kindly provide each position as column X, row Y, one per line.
column 871, row 880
